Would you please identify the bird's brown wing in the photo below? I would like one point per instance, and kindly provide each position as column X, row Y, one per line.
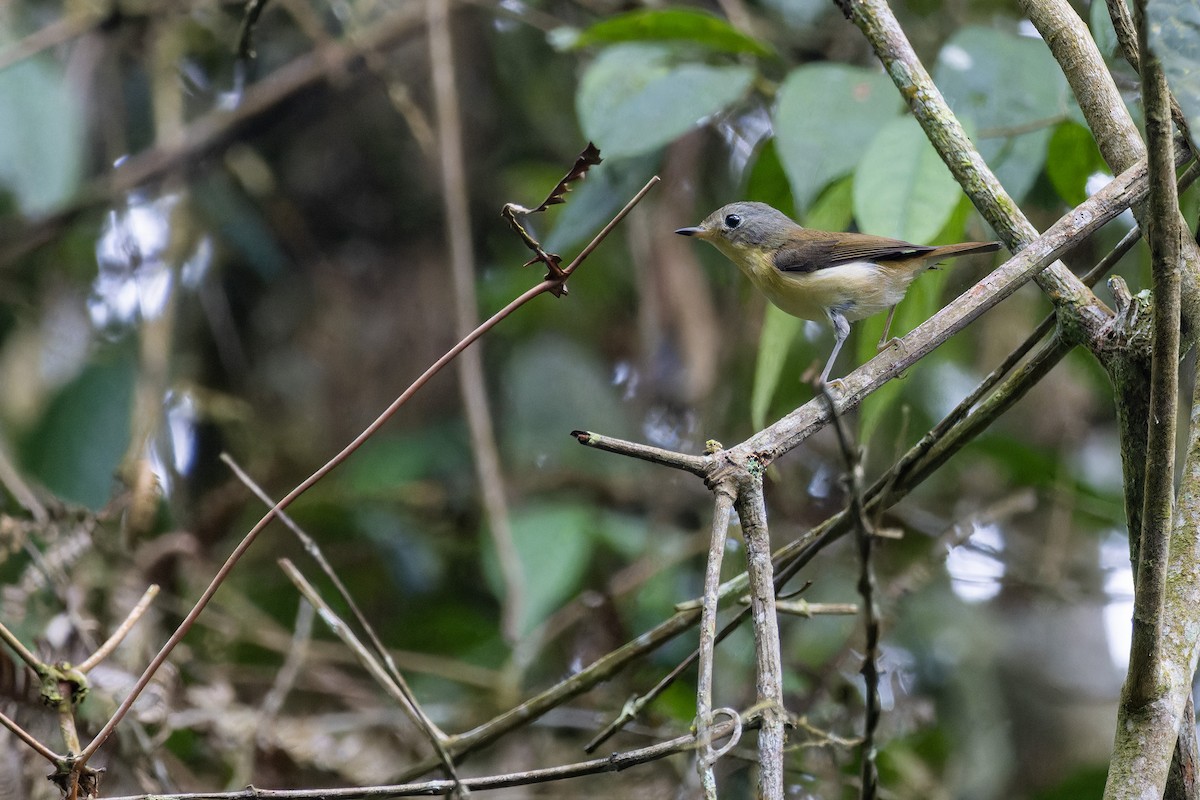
column 821, row 252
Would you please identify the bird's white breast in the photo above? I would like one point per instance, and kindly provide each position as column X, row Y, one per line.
column 858, row 290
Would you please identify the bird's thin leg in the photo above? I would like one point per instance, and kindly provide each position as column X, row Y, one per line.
column 841, row 329
column 884, row 341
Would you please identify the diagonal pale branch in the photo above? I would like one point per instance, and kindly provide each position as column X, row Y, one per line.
column 397, row 690
column 1068, row 232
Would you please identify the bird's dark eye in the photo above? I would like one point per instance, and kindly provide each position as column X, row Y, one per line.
column 732, row 221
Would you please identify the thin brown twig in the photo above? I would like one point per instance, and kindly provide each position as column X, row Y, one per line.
column 869, row 771
column 314, row 551
column 400, row 692
column 131, row 619
column 529, row 294
column 613, row 763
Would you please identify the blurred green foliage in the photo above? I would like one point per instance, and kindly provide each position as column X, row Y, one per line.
column 270, row 298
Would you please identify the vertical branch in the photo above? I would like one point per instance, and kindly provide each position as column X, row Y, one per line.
column 462, row 270
column 1163, row 235
column 1167, row 592
column 865, row 535
column 768, row 662
column 1113, row 128
column 708, row 637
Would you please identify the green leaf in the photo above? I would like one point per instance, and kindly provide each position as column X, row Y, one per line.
column 1174, row 34
column 673, row 24
column 1006, row 83
column 767, row 182
column 1071, row 158
column 825, row 116
column 834, row 209
column 901, row 187
column 554, row 544
column 41, row 143
column 80, row 440
column 779, row 332
column 633, row 99
column 607, row 187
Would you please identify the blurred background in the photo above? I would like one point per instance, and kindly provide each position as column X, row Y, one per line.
column 227, row 239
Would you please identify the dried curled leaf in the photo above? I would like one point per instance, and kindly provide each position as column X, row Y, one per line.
column 512, row 211
column 589, row 158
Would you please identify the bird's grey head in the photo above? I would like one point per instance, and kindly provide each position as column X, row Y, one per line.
column 744, row 224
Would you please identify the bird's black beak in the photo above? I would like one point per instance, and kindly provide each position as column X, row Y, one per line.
column 690, row 231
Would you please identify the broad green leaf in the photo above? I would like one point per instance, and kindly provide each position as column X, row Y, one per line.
column 593, row 202
column 673, row 24
column 825, row 116
column 901, row 187
column 1013, row 91
column 553, row 543
column 767, row 182
column 1071, row 158
column 1175, row 38
column 834, row 209
column 77, row 445
column 779, row 332
column 41, row 141
column 634, row 99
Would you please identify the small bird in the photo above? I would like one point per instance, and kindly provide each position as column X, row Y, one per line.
column 843, row 277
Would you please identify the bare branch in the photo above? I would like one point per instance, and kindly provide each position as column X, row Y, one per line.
column 708, row 636
column 1115, row 132
column 864, row 532
column 768, row 670
column 131, row 619
column 613, row 763
column 397, row 690
column 1163, row 652
column 23, row 652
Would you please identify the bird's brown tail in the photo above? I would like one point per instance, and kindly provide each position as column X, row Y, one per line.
column 963, row 249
